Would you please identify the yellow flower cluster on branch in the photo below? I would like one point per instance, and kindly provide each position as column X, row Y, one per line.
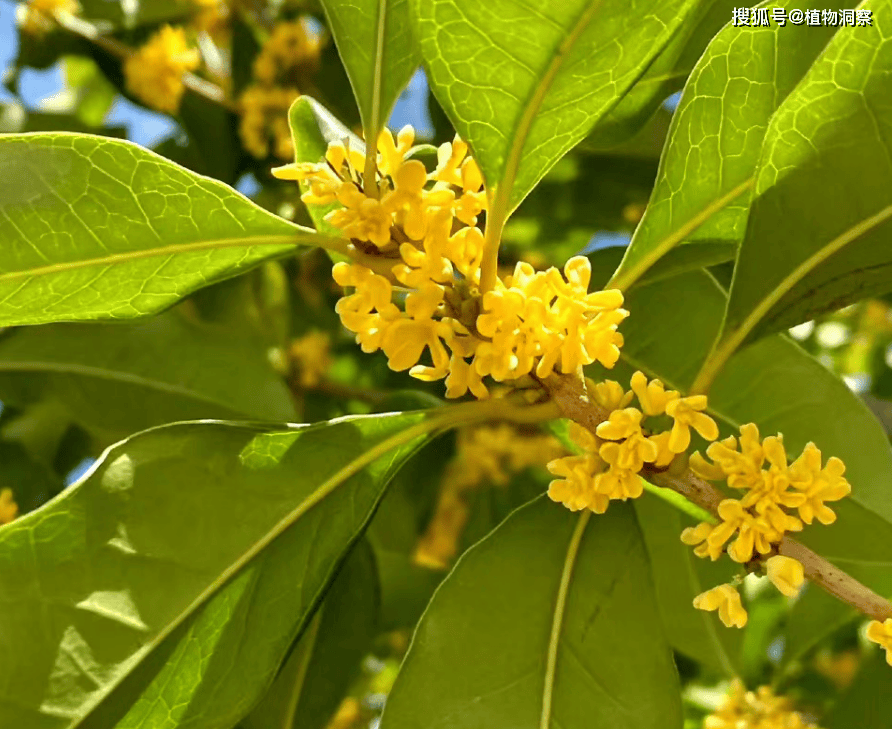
column 772, row 488
column 484, row 454
column 423, row 227
column 38, row 16
column 154, row 73
column 284, row 65
column 760, row 709
column 614, row 455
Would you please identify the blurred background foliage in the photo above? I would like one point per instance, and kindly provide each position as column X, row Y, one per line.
column 268, row 345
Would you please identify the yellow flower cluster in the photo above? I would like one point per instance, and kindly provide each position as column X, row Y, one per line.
column 614, row 455
column 759, row 520
column 311, row 357
column 9, row 509
column 759, row 709
column 285, row 63
column 38, row 16
column 881, row 634
column 154, row 73
column 484, row 454
column 425, row 224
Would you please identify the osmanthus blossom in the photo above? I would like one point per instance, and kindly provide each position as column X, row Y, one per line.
column 423, row 225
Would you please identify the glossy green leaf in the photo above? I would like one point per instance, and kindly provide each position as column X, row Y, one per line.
column 96, row 228
column 666, row 75
column 523, row 83
column 679, row 576
column 319, row 670
column 375, row 43
column 819, row 226
column 166, row 369
column 703, row 187
column 550, row 621
column 178, row 542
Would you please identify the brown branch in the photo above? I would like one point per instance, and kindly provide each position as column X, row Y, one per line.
column 570, row 394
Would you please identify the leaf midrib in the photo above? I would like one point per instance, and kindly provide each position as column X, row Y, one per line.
column 241, row 562
column 305, row 236
column 560, row 609
column 537, row 98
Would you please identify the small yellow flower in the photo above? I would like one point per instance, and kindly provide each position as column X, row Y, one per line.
column 686, row 412
column 786, row 574
column 621, row 424
column 610, row 395
column 881, row 634
column 9, row 509
column 818, row 485
column 576, row 490
column 652, row 395
column 154, row 73
column 726, row 600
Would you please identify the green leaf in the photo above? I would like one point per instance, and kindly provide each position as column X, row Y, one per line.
column 319, row 670
column 98, row 228
column 166, row 369
column 666, row 75
column 549, row 621
column 523, row 83
column 679, row 576
column 818, row 231
column 706, row 171
column 375, row 43
column 181, row 541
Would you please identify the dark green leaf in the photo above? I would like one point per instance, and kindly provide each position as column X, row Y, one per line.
column 98, row 228
column 319, row 670
column 819, row 226
column 703, row 187
column 550, row 621
column 679, row 576
column 183, row 540
column 523, row 83
column 375, row 44
column 165, row 369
